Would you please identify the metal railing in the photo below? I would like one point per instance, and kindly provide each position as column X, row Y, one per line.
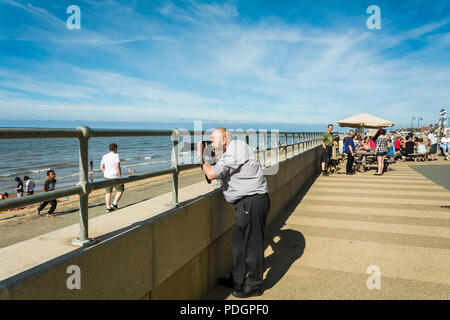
column 305, row 141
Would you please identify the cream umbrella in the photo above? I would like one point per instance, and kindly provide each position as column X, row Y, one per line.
column 365, row 120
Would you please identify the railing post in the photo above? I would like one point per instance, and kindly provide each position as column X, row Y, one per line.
column 302, row 141
column 264, row 146
column 174, row 159
column 299, row 142
column 83, row 239
column 309, row 140
column 293, row 144
column 285, row 147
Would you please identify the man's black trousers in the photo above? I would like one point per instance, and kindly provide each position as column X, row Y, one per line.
column 350, row 160
column 248, row 240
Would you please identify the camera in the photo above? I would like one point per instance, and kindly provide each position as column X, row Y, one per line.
column 208, row 153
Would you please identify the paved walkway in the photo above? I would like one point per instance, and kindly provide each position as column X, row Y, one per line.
column 322, row 246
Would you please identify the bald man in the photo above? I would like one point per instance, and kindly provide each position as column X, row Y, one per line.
column 244, row 186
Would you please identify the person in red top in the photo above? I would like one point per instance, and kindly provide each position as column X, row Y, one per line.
column 3, row 196
column 372, row 143
column 398, row 145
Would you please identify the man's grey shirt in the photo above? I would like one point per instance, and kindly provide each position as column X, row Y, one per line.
column 240, row 172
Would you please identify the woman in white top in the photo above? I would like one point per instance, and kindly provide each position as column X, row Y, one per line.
column 29, row 185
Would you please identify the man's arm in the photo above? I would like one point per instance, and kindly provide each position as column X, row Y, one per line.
column 209, row 171
column 351, row 149
column 102, row 167
column 119, row 171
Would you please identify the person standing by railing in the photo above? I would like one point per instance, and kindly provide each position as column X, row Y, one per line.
column 110, row 166
column 244, row 186
column 327, row 144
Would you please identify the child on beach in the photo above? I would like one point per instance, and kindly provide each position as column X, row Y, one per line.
column 19, row 188
column 49, row 185
column 29, row 186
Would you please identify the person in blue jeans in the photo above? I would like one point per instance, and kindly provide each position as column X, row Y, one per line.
column 49, row 185
column 349, row 147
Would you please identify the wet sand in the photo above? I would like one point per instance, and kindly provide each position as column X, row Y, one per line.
column 20, row 225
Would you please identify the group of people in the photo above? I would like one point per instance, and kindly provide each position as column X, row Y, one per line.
column 421, row 146
column 110, row 166
column 383, row 146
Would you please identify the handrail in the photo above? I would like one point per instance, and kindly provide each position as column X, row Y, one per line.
column 305, row 141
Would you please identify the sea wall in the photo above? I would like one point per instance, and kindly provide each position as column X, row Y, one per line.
column 177, row 254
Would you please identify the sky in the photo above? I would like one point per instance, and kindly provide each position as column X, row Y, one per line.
column 241, row 61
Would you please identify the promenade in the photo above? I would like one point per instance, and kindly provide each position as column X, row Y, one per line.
column 321, row 247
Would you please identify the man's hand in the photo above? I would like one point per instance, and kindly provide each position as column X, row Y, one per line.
column 199, row 150
column 209, row 171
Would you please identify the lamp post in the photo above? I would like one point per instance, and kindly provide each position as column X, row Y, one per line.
column 412, row 120
column 418, row 121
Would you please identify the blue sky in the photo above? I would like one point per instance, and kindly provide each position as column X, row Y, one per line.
column 242, row 61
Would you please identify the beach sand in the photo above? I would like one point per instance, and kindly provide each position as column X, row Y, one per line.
column 20, row 225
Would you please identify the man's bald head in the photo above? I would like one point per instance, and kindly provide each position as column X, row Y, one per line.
column 220, row 138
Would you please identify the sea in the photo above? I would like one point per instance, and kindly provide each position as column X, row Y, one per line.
column 34, row 157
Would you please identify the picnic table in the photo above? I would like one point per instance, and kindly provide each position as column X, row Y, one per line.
column 363, row 161
column 415, row 155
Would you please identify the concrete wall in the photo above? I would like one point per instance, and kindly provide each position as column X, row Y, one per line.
column 178, row 254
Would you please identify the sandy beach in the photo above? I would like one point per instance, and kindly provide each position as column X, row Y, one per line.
column 20, row 225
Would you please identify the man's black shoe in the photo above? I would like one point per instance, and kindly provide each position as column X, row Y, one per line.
column 325, row 173
column 247, row 293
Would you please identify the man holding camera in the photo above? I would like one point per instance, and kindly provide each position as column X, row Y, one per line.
column 244, row 186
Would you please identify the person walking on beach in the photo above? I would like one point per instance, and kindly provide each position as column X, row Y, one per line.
column 244, row 186
column 380, row 150
column 19, row 188
column 29, row 185
column 110, row 166
column 49, row 185
column 350, row 151
column 91, row 170
column 327, row 143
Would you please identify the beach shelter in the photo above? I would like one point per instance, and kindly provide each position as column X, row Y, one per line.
column 365, row 121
